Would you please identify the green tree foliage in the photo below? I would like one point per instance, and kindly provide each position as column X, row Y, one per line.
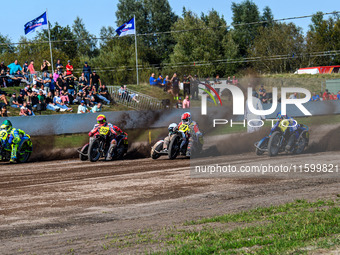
column 86, row 42
column 200, row 51
column 279, row 48
column 323, row 35
column 245, row 12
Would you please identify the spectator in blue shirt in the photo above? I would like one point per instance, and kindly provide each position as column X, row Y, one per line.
column 338, row 95
column 14, row 67
column 315, row 97
column 160, row 80
column 152, row 80
column 87, row 72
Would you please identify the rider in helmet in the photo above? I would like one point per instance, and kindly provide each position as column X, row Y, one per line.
column 292, row 130
column 193, row 134
column 172, row 127
column 14, row 139
column 114, row 130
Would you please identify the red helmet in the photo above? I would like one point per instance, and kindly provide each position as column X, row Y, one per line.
column 186, row 117
column 101, row 119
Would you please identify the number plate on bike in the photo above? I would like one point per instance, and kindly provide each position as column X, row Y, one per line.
column 184, row 128
column 104, row 130
column 3, row 135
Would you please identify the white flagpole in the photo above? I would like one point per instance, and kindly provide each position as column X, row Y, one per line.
column 49, row 39
column 134, row 17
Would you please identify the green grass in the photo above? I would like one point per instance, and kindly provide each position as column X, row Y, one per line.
column 292, row 228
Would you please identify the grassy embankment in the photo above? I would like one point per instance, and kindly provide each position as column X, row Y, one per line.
column 293, row 228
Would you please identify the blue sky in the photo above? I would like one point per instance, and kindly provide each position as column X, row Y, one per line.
column 96, row 14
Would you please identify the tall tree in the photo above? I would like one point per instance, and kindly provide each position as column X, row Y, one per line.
column 278, row 47
column 86, row 42
column 323, row 35
column 245, row 12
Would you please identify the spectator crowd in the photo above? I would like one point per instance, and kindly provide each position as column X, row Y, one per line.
column 51, row 91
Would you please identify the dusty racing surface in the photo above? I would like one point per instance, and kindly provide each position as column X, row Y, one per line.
column 58, row 207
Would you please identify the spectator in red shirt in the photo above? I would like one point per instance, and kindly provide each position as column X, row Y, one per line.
column 325, row 95
column 333, row 97
column 69, row 68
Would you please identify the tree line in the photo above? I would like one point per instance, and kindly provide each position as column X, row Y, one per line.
column 198, row 44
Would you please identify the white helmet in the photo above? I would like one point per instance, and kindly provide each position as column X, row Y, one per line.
column 171, row 127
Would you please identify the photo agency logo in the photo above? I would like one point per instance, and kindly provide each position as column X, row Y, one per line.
column 239, row 105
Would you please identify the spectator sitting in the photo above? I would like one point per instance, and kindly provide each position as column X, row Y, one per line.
column 159, row 81
column 4, row 112
column 235, row 81
column 82, row 108
column 37, row 81
column 58, row 102
column 24, row 111
column 97, row 108
column 3, row 67
column 338, row 96
column 9, row 79
column 130, row 95
column 333, row 96
column 217, row 80
column 122, row 93
column 179, row 103
column 3, row 79
column 14, row 67
column 186, row 102
column 21, row 99
column 315, row 97
column 82, row 82
column 18, row 78
column 29, row 107
column 35, row 88
column 34, row 98
column 64, row 97
column 103, row 93
column 152, row 80
column 50, row 105
column 229, row 80
column 293, row 96
column 261, row 91
column 13, row 102
column 167, row 84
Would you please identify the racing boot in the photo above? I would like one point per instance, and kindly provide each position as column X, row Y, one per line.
column 290, row 143
column 13, row 160
column 110, row 152
column 14, row 153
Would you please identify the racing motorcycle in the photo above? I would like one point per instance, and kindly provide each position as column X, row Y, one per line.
column 98, row 146
column 176, row 140
column 24, row 151
column 278, row 138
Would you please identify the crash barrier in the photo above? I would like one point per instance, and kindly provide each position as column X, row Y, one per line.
column 135, row 100
column 83, row 123
column 80, row 123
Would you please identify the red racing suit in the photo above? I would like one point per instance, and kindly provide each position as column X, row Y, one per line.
column 194, row 134
column 114, row 130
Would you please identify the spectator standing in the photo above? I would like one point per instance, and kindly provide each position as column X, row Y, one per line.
column 71, row 86
column 186, row 102
column 55, row 75
column 3, row 67
column 25, row 70
column 179, row 104
column 153, row 80
column 3, row 79
column 261, row 91
column 293, row 96
column 69, row 68
column 31, row 68
column 315, row 97
column 87, row 72
column 167, row 84
column 95, row 81
column 229, row 80
column 47, row 82
column 217, row 81
column 14, row 67
column 338, row 95
column 52, row 84
column 82, row 108
column 59, row 66
column 194, row 87
column 186, row 84
column 264, row 98
column 44, row 66
column 175, row 86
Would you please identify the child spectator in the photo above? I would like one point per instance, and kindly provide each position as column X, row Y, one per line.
column 4, row 112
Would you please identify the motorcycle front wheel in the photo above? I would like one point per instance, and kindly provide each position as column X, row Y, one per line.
column 274, row 144
column 94, row 150
column 174, row 147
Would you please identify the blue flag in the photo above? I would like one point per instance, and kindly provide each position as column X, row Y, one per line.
column 127, row 28
column 40, row 22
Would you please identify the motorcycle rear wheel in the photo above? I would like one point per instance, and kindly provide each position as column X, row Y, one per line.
column 24, row 152
column 154, row 154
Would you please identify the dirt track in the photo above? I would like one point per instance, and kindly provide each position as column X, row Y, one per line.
column 61, row 206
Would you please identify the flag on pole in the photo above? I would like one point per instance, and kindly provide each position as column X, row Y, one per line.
column 37, row 23
column 127, row 28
